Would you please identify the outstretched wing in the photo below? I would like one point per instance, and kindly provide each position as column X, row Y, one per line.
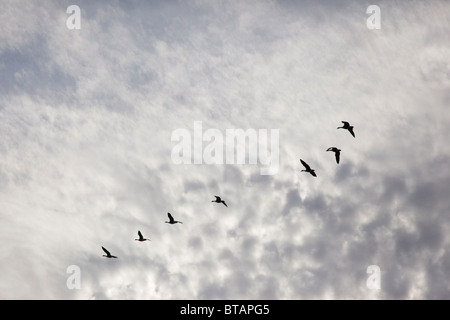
column 224, row 203
column 170, row 217
column 313, row 173
column 338, row 155
column 351, row 131
column 140, row 235
column 218, row 198
column 106, row 251
column 305, row 165
column 345, row 123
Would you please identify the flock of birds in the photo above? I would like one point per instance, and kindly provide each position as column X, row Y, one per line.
column 337, row 153
column 171, row 221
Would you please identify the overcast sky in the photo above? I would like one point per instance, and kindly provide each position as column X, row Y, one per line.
column 87, row 116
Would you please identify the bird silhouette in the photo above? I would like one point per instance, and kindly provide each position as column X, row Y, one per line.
column 141, row 238
column 348, row 127
column 337, row 153
column 108, row 255
column 171, row 220
column 308, row 168
column 219, row 200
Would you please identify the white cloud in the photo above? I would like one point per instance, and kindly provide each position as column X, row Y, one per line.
column 87, row 115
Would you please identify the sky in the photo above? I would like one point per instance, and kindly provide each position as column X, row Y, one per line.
column 87, row 118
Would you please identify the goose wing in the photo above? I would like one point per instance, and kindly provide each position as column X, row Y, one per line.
column 305, row 165
column 170, row 217
column 140, row 235
column 351, row 131
column 337, row 154
column 106, row 251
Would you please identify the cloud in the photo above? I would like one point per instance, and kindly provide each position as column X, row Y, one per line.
column 86, row 122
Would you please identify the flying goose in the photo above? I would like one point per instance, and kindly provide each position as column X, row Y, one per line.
column 348, row 127
column 141, row 238
column 171, row 220
column 308, row 168
column 219, row 200
column 108, row 255
column 337, row 153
